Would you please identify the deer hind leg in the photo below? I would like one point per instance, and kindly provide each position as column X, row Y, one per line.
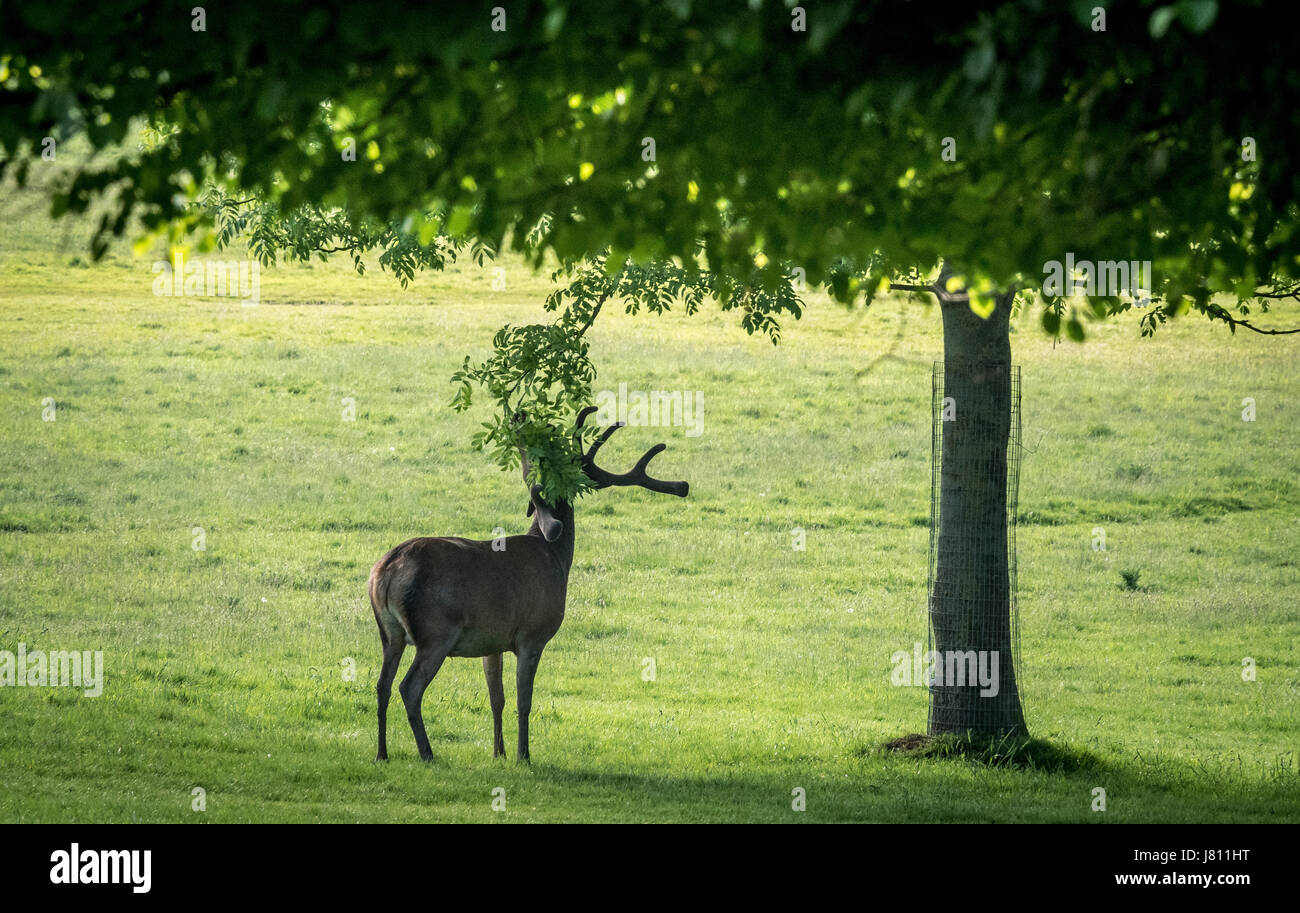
column 394, row 647
column 428, row 660
column 497, row 699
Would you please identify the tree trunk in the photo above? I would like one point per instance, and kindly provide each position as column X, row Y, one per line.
column 970, row 605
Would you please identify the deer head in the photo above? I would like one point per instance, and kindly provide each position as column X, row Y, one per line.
column 551, row 518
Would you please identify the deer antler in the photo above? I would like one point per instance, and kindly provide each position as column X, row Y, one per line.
column 582, row 417
column 636, row 476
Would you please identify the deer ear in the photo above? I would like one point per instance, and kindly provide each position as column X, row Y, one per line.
column 551, row 528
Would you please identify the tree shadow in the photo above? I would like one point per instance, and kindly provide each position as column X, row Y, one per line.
column 1015, row 752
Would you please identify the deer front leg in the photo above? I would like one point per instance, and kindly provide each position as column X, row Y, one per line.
column 497, row 700
column 525, row 669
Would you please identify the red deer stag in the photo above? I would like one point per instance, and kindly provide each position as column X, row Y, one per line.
column 458, row 597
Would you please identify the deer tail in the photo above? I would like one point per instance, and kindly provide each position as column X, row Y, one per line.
column 385, row 612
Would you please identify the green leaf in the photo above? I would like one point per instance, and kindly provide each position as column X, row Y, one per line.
column 429, row 228
column 1198, row 15
column 1160, row 21
column 979, row 62
column 982, row 305
column 459, row 221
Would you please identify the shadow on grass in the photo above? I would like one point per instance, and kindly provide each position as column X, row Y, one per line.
column 1013, row 752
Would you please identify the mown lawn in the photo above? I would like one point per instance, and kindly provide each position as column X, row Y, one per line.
column 225, row 668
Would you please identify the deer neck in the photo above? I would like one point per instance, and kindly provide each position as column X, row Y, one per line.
column 562, row 547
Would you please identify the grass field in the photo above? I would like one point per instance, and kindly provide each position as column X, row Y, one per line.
column 225, row 668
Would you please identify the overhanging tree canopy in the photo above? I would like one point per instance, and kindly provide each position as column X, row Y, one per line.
column 814, row 145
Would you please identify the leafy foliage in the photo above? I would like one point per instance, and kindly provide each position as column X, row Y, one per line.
column 1067, row 137
column 540, row 376
column 311, row 232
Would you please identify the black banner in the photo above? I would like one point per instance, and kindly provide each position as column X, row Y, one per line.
column 334, row 862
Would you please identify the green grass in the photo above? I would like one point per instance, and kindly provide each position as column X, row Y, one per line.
column 224, row 667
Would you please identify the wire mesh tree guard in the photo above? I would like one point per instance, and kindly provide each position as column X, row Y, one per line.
column 973, row 614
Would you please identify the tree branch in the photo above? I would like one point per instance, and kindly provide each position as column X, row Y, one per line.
column 899, row 287
column 1241, row 323
column 594, row 311
column 1289, row 293
column 1213, row 310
